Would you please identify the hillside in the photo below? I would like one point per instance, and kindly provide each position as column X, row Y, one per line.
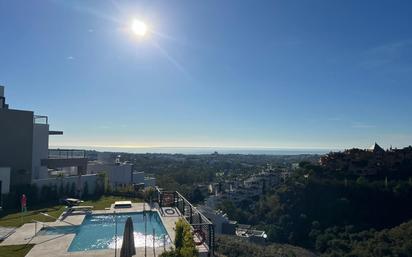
column 231, row 246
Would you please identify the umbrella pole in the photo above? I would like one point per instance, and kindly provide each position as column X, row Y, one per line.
column 115, row 235
column 145, row 232
column 154, row 251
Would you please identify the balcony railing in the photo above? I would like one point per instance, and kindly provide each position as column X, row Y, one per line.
column 192, row 216
column 66, row 154
column 38, row 119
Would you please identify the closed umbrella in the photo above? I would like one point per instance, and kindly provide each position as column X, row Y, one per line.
column 128, row 249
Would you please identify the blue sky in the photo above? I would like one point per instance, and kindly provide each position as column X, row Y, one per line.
column 328, row 74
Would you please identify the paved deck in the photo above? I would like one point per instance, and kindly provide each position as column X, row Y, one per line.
column 57, row 245
column 6, row 232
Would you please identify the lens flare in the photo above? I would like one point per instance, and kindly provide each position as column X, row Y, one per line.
column 139, row 28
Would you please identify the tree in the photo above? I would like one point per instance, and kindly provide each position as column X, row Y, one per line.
column 184, row 243
column 197, row 196
column 149, row 194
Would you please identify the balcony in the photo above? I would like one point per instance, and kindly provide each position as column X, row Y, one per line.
column 44, row 120
column 39, row 119
column 66, row 154
column 197, row 220
column 59, row 158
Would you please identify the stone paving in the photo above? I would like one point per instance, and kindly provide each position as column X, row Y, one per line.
column 57, row 245
column 5, row 232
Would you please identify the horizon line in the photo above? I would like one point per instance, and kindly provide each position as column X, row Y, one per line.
column 202, row 147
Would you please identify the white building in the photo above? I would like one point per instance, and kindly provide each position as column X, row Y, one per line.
column 219, row 219
column 120, row 174
column 24, row 149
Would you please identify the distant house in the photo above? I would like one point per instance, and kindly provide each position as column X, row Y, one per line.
column 120, row 174
column 219, row 219
column 253, row 235
column 368, row 162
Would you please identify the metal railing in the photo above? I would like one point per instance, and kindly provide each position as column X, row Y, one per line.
column 192, row 216
column 66, row 153
column 39, row 119
column 42, row 226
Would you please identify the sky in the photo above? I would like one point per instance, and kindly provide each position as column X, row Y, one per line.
column 233, row 73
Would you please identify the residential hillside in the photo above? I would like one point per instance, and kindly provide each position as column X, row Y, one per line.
column 388, row 242
column 337, row 212
column 374, row 162
column 231, row 246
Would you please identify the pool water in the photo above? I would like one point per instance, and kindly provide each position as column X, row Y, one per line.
column 98, row 231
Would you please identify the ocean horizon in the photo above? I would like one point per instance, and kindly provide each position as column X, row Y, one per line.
column 207, row 150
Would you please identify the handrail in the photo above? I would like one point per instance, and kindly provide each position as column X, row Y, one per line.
column 66, row 153
column 199, row 212
column 44, row 224
column 190, row 214
column 199, row 224
column 182, row 197
column 43, row 119
column 48, row 215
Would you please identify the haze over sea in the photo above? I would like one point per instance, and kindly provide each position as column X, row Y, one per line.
column 209, row 150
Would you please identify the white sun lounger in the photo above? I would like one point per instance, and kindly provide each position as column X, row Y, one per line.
column 123, row 204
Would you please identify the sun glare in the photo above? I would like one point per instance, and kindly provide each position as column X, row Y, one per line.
column 139, row 28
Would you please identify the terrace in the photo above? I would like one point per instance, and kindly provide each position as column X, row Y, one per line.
column 40, row 119
column 60, row 158
column 172, row 203
column 66, row 154
column 45, row 236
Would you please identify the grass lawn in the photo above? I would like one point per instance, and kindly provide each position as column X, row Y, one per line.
column 17, row 219
column 15, row 250
column 106, row 201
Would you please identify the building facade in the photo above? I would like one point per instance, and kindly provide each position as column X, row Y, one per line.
column 16, row 142
column 24, row 148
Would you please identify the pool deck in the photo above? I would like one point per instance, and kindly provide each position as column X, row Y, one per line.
column 57, row 245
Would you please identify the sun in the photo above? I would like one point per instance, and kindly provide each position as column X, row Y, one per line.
column 139, row 28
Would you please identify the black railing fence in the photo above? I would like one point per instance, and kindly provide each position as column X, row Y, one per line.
column 194, row 217
column 66, row 153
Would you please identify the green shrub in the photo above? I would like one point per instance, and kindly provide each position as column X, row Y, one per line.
column 184, row 243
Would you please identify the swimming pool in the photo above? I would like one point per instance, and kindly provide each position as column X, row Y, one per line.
column 98, row 231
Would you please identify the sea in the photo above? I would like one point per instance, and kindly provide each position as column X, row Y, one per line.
column 210, row 150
